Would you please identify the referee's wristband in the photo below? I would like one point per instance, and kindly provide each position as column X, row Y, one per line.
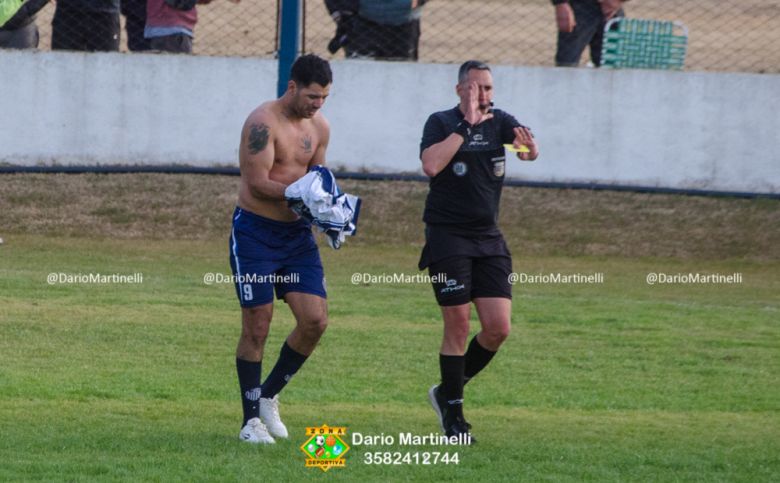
column 463, row 129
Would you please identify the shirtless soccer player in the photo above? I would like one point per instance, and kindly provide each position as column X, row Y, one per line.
column 271, row 248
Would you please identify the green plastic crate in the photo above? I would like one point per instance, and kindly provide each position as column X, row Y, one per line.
column 632, row 43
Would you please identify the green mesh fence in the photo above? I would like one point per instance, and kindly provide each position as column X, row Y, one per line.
column 644, row 44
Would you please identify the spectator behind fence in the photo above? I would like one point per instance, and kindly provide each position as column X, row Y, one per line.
column 17, row 23
column 135, row 22
column 581, row 23
column 381, row 29
column 88, row 25
column 170, row 24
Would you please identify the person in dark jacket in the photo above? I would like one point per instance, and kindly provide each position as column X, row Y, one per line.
column 135, row 22
column 581, row 24
column 86, row 25
column 379, row 29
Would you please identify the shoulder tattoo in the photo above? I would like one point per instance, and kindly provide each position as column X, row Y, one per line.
column 258, row 138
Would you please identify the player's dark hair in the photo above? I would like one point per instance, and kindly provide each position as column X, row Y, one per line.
column 308, row 69
column 463, row 72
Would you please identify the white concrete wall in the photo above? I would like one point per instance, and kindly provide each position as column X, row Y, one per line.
column 108, row 108
column 650, row 128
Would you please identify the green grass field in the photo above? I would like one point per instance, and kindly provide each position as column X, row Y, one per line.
column 620, row 381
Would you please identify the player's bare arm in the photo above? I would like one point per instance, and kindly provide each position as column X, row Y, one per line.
column 256, row 159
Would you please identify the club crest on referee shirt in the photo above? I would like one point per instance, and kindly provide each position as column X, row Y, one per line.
column 460, row 168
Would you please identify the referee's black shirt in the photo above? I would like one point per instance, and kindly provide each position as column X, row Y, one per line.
column 466, row 193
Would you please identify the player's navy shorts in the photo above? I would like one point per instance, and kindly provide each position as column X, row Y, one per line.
column 268, row 255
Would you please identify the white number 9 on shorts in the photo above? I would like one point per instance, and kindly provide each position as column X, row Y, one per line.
column 247, row 289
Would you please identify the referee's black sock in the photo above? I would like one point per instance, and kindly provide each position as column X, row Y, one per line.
column 477, row 357
column 288, row 364
column 249, row 382
column 452, row 382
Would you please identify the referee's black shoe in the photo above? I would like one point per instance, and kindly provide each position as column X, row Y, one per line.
column 459, row 428
column 451, row 424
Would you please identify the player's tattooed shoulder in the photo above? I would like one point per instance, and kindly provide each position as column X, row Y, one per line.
column 258, row 137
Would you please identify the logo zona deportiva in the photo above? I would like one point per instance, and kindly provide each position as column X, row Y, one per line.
column 325, row 447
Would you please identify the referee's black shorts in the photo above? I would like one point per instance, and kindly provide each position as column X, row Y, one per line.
column 458, row 280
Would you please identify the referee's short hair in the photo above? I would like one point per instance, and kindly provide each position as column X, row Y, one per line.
column 463, row 72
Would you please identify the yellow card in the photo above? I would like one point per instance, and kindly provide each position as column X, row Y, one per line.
column 522, row 149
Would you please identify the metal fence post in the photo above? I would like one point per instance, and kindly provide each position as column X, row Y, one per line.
column 289, row 40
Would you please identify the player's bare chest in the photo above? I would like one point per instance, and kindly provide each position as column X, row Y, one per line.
column 296, row 144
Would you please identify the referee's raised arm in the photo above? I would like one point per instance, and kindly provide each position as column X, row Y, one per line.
column 440, row 143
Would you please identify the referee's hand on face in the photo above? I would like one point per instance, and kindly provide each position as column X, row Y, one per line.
column 470, row 96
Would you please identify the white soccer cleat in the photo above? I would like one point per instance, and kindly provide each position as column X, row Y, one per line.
column 254, row 431
column 269, row 413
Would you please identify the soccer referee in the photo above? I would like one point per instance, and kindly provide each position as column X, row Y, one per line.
column 462, row 151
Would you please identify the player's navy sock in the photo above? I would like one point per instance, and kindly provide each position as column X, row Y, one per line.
column 288, row 364
column 249, row 382
column 477, row 357
column 452, row 382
